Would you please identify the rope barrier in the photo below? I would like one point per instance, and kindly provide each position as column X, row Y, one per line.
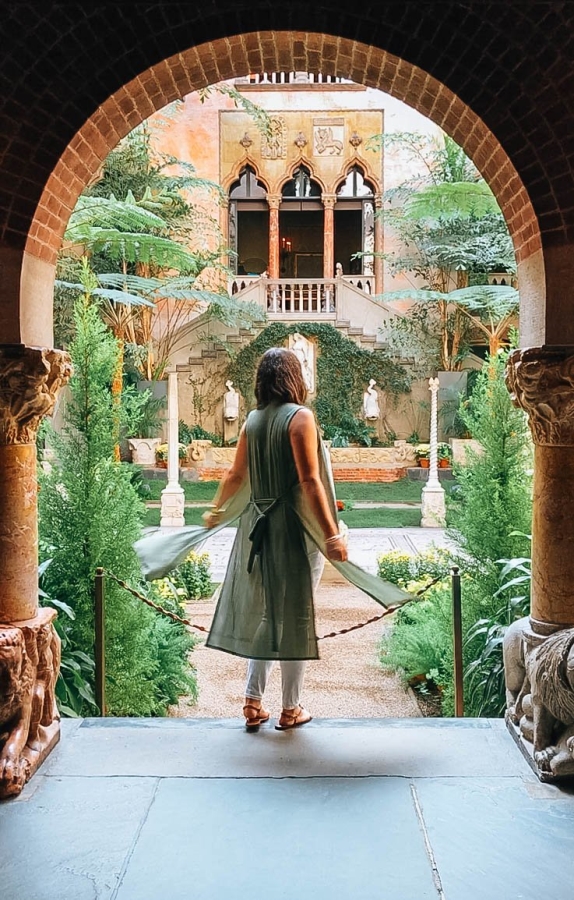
column 322, row 637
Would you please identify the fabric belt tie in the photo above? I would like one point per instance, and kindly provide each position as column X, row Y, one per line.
column 259, row 530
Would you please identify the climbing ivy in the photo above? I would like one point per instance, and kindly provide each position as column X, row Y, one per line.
column 343, row 371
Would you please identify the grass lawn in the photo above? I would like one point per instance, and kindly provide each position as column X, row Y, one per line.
column 354, row 518
column 403, row 491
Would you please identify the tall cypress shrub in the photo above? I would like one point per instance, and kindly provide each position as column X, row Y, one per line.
column 90, row 515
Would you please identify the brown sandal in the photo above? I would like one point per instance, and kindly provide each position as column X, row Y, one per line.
column 299, row 716
column 256, row 717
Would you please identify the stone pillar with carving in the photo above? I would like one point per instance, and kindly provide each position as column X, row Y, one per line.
column 30, row 378
column 433, row 507
column 172, row 496
column 539, row 650
column 379, row 245
column 274, row 202
column 329, row 201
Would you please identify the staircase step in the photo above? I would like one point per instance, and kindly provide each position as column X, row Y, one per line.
column 354, row 329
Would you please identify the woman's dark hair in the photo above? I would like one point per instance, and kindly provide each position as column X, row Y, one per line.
column 279, row 378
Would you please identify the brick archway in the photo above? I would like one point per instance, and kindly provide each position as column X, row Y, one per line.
column 236, row 56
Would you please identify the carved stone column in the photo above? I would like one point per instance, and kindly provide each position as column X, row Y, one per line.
column 329, row 201
column 541, row 381
column 274, row 202
column 29, row 647
column 379, row 246
column 539, row 650
column 433, row 507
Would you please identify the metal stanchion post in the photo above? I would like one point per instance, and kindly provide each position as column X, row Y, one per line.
column 457, row 636
column 100, row 640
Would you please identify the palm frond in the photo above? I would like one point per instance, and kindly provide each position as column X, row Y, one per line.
column 451, row 200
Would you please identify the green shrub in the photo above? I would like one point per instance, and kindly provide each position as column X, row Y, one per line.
column 190, row 581
column 403, row 568
column 90, row 516
column 419, row 644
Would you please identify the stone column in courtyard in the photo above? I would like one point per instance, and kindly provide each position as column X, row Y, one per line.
column 379, row 241
column 30, row 378
column 433, row 508
column 274, row 202
column 539, row 650
column 172, row 496
column 329, row 201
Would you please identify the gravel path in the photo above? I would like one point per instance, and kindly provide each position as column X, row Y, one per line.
column 347, row 682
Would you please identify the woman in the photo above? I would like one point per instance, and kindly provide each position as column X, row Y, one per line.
column 265, row 609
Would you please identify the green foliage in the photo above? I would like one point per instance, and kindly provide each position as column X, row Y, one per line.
column 191, row 580
column 90, row 516
column 485, row 673
column 490, row 511
column 419, row 644
column 74, row 689
column 189, row 433
column 403, row 568
column 343, row 369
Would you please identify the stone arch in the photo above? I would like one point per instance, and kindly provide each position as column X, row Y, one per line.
column 236, row 56
column 235, row 174
column 306, row 163
column 356, row 162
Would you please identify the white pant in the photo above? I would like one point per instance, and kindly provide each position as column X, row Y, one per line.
column 292, row 671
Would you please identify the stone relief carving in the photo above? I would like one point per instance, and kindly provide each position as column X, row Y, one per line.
column 30, row 379
column 223, row 456
column 541, row 381
column 539, row 675
column 328, row 140
column 198, row 449
column 300, row 141
column 29, row 667
column 246, row 141
column 273, row 142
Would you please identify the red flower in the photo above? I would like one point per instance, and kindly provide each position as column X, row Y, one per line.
column 340, row 505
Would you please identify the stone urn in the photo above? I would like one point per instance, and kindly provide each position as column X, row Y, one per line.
column 143, row 450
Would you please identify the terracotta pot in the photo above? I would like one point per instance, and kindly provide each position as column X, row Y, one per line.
column 161, row 463
column 443, row 463
column 424, row 463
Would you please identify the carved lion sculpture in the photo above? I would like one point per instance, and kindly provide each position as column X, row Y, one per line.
column 514, row 666
column 29, row 666
column 16, row 687
column 550, row 683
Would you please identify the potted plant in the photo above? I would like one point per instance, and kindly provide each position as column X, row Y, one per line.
column 422, row 455
column 145, row 440
column 444, row 455
column 161, row 454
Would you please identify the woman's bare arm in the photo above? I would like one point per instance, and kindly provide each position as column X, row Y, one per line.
column 231, row 481
column 303, row 437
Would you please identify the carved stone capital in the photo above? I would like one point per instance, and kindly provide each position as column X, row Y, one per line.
column 30, row 378
column 274, row 201
column 329, row 200
column 541, row 382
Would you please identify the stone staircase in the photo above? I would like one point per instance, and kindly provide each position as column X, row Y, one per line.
column 357, row 316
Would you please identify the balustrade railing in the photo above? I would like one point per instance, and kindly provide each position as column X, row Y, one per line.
column 291, row 78
column 363, row 282
column 299, row 297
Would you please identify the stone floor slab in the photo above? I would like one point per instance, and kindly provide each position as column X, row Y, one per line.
column 308, row 839
column 201, row 748
column 500, row 838
column 69, row 838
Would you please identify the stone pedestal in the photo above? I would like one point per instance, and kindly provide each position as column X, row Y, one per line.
column 29, row 647
column 539, row 650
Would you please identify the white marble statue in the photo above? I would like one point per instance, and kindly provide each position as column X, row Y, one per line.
column 230, row 403
column 371, row 408
column 304, row 351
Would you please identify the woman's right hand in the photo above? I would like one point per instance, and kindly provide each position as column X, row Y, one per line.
column 337, row 549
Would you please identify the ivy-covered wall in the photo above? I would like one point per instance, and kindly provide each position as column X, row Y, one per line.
column 343, row 372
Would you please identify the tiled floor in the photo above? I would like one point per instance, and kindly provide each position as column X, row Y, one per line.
column 404, row 809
